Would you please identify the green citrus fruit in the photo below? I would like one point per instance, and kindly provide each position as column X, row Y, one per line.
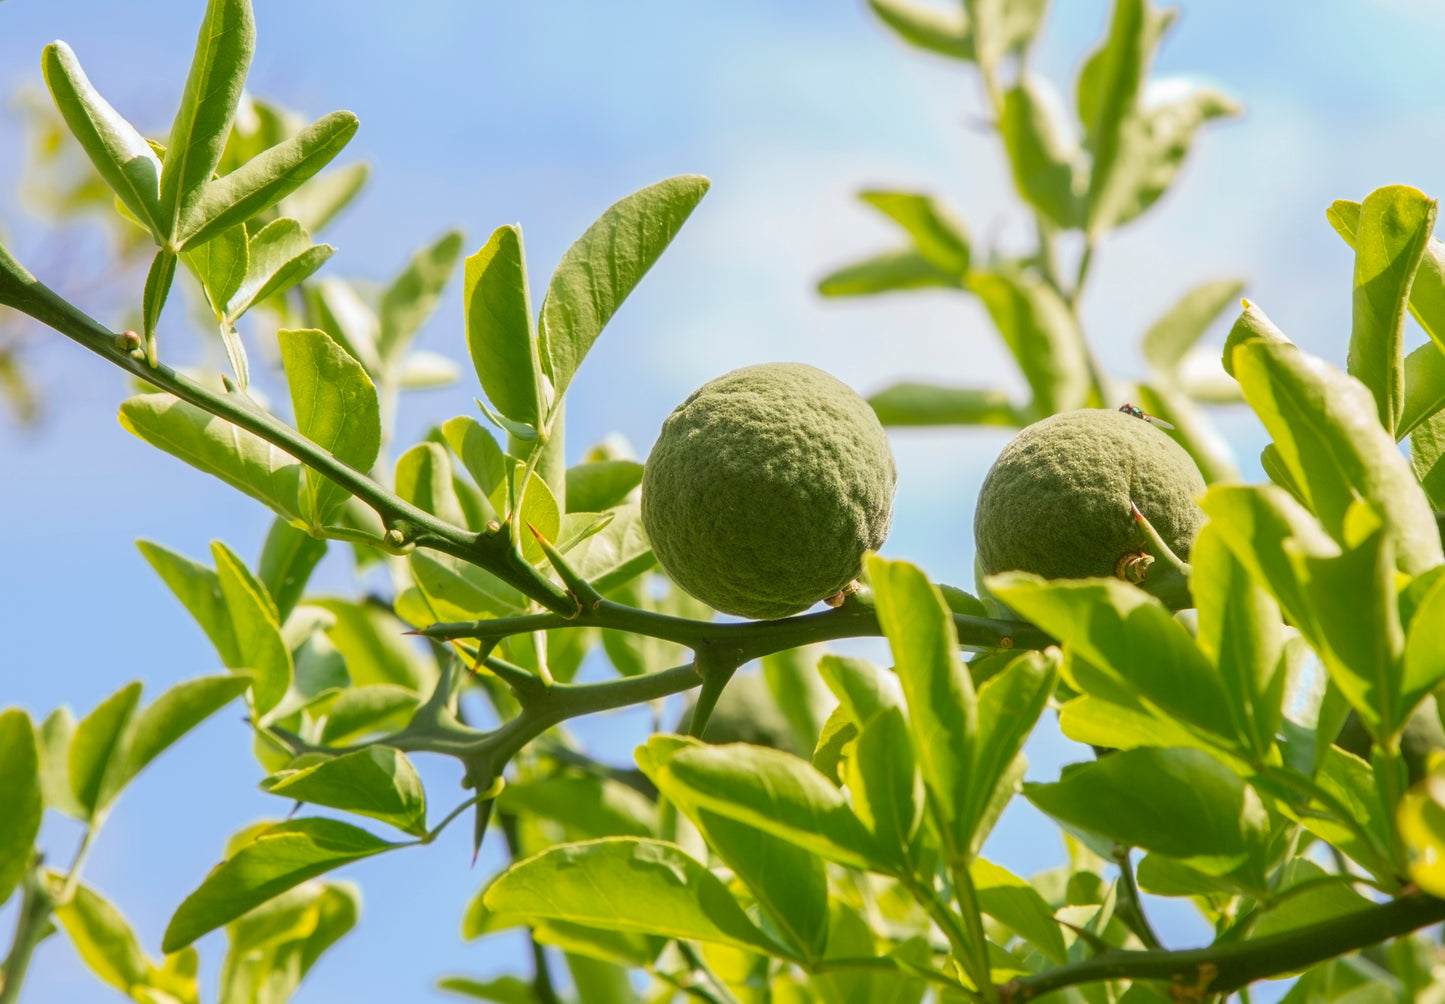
column 1057, row 500
column 766, row 487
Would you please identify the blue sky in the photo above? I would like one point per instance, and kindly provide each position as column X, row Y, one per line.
column 478, row 114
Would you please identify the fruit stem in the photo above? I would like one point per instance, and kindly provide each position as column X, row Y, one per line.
column 1168, row 577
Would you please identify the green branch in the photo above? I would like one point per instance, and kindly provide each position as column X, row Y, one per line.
column 856, row 618
column 1222, row 969
column 492, row 551
column 36, row 904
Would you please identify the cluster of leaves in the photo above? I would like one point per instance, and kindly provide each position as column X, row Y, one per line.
column 741, row 872
column 1078, row 181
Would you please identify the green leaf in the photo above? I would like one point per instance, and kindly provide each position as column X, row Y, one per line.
column 1181, row 803
column 939, row 236
column 1118, row 719
column 777, row 793
column 1158, row 143
column 1041, row 333
column 460, row 591
column 883, row 778
column 340, row 311
column 260, row 183
column 316, row 203
column 1109, row 89
column 103, row 939
column 1262, row 526
column 1427, row 458
column 359, row 711
column 377, row 781
column 479, row 453
column 424, row 478
column 1351, row 786
column 199, row 590
column 422, row 370
column 259, row 644
column 942, row 707
column 1421, row 821
column 927, row 27
column 502, row 990
column 1180, row 406
column 1425, row 646
column 99, row 739
column 203, row 122
column 278, row 257
column 790, row 882
column 1009, row 706
column 603, row 267
column 157, row 289
column 539, row 511
column 1001, row 27
column 601, row 484
column 617, row 553
column 1012, row 901
column 835, row 739
column 287, row 560
column 166, row 720
column 273, row 860
column 1424, row 387
column 1046, row 171
column 499, row 327
column 1326, row 896
column 1427, row 292
column 272, row 947
column 1240, row 631
column 220, row 264
column 628, row 884
column 412, row 296
column 371, row 639
column 244, row 461
column 1324, row 425
column 1171, row 337
column 53, row 741
column 1129, row 637
column 863, row 689
column 600, row 982
column 1355, row 627
column 20, row 793
column 1390, row 239
column 890, row 272
column 587, row 806
column 122, row 156
column 336, row 408
column 928, row 404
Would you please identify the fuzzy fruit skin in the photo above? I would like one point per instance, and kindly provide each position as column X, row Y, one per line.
column 765, row 488
column 1056, row 502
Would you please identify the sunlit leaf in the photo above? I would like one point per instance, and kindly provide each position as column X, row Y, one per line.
column 605, row 264
column 628, row 883
column 336, row 408
column 377, row 781
column 21, row 795
column 499, row 327
column 276, row 859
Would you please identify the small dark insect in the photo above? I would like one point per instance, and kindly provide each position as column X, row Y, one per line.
column 1129, row 408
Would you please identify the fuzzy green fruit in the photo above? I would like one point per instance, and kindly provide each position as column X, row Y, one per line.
column 1056, row 502
column 765, row 489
